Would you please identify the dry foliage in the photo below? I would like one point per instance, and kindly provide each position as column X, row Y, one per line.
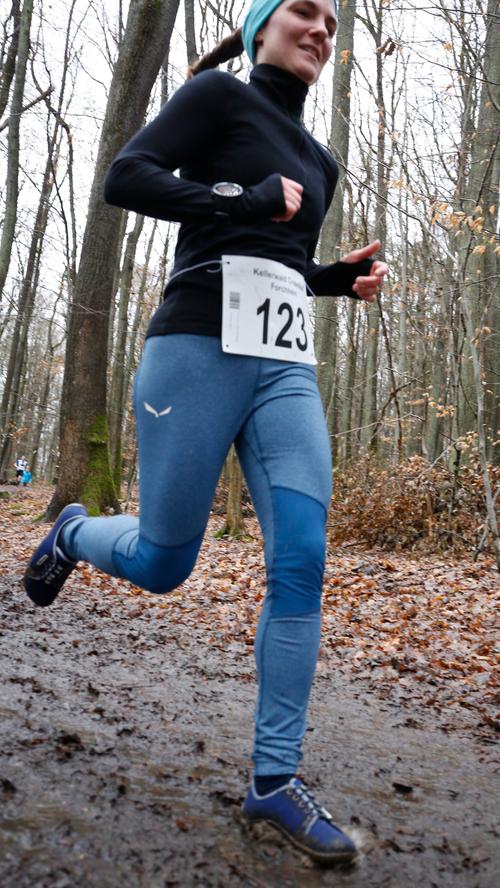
column 413, row 506
column 420, row 631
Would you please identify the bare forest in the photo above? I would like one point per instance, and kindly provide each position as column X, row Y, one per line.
column 119, row 765
column 410, row 107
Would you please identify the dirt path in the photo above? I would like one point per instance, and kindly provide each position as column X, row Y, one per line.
column 124, row 742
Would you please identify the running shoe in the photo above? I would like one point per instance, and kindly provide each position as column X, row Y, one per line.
column 49, row 568
column 295, row 812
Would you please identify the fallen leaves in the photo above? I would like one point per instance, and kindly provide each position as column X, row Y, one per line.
column 421, row 630
column 415, row 506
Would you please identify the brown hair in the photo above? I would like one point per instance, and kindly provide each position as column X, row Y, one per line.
column 229, row 48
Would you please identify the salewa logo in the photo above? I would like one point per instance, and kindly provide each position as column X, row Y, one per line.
column 155, row 412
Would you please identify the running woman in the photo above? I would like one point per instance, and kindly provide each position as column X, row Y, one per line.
column 229, row 358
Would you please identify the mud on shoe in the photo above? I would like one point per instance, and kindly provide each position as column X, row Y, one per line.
column 295, row 812
column 49, row 568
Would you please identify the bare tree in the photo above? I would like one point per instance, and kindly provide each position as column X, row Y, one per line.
column 8, row 53
column 84, row 471
column 326, row 322
column 16, row 107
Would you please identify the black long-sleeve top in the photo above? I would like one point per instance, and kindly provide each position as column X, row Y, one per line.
column 217, row 128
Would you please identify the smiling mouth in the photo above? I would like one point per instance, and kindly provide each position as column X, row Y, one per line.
column 311, row 51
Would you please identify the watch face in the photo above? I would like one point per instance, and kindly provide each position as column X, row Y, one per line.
column 228, row 189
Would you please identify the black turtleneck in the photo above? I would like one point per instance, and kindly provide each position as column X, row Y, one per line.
column 216, row 128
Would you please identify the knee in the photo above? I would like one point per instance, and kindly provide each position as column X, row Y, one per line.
column 164, row 572
column 159, row 569
column 301, row 562
column 162, row 580
column 298, row 559
column 311, row 548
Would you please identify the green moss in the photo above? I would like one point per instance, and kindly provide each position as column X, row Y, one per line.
column 98, row 433
column 98, row 489
column 226, row 532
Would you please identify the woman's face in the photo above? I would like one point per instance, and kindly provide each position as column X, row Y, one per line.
column 298, row 37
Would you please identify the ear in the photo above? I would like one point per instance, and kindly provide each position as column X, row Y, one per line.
column 259, row 37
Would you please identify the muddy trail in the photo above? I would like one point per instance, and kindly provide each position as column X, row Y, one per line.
column 125, row 735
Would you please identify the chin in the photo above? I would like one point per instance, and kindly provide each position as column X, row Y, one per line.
column 305, row 72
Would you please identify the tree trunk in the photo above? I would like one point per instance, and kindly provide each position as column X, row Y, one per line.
column 12, row 185
column 478, row 264
column 118, row 381
column 192, row 52
column 9, row 66
column 234, row 525
column 10, row 396
column 370, row 394
column 488, row 490
column 130, row 364
column 344, row 451
column 326, row 307
column 84, row 470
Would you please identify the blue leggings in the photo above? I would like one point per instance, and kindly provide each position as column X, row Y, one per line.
column 192, row 401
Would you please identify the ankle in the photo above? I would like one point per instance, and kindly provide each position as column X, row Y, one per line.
column 266, row 784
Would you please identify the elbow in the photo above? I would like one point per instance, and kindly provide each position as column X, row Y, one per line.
column 111, row 187
column 119, row 182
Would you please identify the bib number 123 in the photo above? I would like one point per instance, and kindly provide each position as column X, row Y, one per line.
column 265, row 310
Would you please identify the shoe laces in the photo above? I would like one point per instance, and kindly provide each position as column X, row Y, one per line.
column 309, row 802
column 55, row 568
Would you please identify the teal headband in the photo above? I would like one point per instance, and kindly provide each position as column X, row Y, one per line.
column 255, row 19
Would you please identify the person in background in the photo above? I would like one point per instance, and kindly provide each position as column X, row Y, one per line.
column 20, row 465
column 229, row 358
column 27, row 477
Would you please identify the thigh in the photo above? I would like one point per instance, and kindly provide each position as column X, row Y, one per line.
column 286, row 432
column 284, row 445
column 190, row 400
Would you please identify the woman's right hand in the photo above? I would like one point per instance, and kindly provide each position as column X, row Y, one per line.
column 292, row 194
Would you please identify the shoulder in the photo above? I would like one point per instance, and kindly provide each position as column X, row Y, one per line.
column 211, row 84
column 208, row 95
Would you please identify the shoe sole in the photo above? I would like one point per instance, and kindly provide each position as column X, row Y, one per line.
column 347, row 857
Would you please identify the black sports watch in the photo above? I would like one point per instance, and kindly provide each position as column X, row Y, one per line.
column 227, row 189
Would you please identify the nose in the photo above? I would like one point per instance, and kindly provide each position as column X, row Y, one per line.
column 319, row 30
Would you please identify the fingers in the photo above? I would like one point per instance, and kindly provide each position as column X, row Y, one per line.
column 362, row 253
column 368, row 288
column 369, row 250
column 379, row 269
column 292, row 194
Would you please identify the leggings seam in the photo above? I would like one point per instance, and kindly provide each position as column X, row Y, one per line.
column 308, row 495
column 151, row 543
column 262, row 670
column 142, row 536
column 297, row 618
column 261, row 461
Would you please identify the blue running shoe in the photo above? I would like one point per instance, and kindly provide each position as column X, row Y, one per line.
column 296, row 813
column 49, row 568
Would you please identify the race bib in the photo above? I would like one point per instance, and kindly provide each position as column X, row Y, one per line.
column 265, row 312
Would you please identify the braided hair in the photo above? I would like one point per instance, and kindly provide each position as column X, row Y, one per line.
column 229, row 48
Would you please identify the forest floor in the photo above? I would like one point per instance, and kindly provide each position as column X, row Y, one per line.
column 126, row 722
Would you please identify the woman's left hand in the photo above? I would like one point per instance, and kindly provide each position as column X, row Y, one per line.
column 368, row 288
